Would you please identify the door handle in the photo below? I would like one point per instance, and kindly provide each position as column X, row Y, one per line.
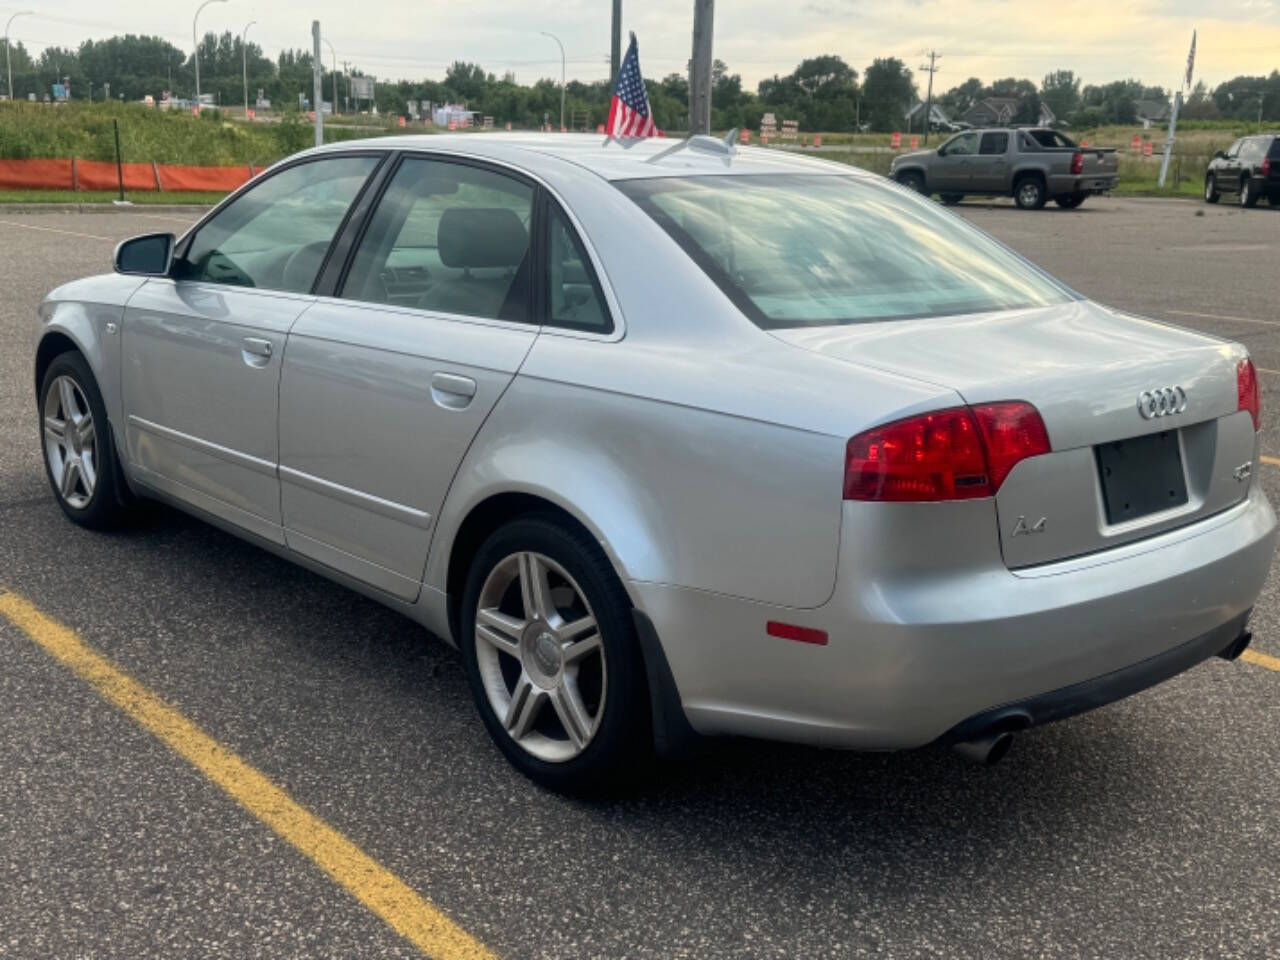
column 255, row 351
column 451, row 391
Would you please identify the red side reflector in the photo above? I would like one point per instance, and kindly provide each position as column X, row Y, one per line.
column 789, row 631
column 1247, row 391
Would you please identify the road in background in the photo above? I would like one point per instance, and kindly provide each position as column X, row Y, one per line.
column 1147, row 828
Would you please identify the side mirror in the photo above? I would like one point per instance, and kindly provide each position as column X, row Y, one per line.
column 149, row 255
column 1219, row 155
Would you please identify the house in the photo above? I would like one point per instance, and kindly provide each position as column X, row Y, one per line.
column 1002, row 112
column 938, row 118
column 1152, row 111
column 992, row 112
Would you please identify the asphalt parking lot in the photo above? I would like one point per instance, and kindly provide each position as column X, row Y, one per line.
column 1150, row 828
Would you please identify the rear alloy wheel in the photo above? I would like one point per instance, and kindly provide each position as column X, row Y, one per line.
column 1069, row 201
column 1248, row 195
column 79, row 457
column 1029, row 193
column 552, row 657
column 1211, row 194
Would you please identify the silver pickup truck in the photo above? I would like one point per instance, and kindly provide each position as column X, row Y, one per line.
column 1029, row 164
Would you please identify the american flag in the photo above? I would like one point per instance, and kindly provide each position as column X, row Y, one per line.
column 629, row 114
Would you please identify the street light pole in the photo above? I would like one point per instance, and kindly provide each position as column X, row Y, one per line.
column 334, row 55
column 195, row 40
column 561, row 46
column 9, row 67
column 244, row 59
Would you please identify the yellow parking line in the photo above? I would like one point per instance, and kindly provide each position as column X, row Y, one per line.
column 1266, row 370
column 1271, row 460
column 68, row 233
column 1262, row 659
column 403, row 909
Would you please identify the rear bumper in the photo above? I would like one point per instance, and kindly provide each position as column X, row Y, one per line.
column 921, row 643
column 1066, row 184
column 1099, row 691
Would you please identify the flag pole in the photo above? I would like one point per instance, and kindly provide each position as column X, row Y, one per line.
column 1173, row 116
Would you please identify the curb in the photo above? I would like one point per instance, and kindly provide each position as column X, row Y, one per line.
column 195, row 209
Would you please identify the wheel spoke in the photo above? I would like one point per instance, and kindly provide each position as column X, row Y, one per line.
column 526, row 702
column 88, row 473
column 534, row 588
column 84, row 429
column 67, row 395
column 572, row 713
column 578, row 650
column 55, row 430
column 576, row 630
column 70, row 470
column 499, row 630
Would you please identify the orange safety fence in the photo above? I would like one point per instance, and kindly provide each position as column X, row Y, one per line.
column 74, row 174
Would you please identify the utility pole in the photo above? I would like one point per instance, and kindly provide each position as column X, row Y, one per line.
column 934, row 57
column 346, row 71
column 700, row 68
column 615, row 48
column 334, row 54
column 316, row 80
column 562, row 74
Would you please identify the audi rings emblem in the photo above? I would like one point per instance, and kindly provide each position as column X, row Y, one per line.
column 1164, row 402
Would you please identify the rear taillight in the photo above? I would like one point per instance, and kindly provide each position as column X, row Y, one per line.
column 1247, row 391
column 1266, row 166
column 1077, row 163
column 954, row 454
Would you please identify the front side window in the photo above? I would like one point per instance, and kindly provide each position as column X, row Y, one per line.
column 814, row 250
column 573, row 298
column 1234, row 151
column 275, row 235
column 962, row 145
column 448, row 237
column 995, row 143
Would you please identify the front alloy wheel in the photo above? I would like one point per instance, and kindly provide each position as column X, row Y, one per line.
column 70, row 441
column 540, row 656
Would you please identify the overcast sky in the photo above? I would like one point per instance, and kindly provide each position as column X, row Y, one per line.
column 1102, row 40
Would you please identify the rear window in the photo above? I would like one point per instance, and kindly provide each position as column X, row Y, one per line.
column 817, row 250
column 1050, row 138
column 1275, row 148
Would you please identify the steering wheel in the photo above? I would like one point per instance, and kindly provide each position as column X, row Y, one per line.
column 302, row 266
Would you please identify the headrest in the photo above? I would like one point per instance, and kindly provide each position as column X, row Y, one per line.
column 481, row 237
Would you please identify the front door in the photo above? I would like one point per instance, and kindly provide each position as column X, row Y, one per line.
column 203, row 348
column 384, row 386
column 951, row 171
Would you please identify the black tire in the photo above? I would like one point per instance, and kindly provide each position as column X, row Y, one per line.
column 912, row 181
column 1211, row 194
column 951, row 198
column 108, row 505
column 1248, row 192
column 1069, row 201
column 1029, row 193
column 622, row 744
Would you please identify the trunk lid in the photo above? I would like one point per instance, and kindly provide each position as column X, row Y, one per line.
column 1099, row 161
column 1083, row 367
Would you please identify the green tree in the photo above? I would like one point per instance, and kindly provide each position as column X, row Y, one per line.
column 888, row 91
column 960, row 98
column 1060, row 91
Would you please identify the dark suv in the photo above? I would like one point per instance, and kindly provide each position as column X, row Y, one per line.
column 1250, row 169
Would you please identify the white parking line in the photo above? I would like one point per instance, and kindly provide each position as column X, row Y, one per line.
column 1218, row 316
column 69, row 233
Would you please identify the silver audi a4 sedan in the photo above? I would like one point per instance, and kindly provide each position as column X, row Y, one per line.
column 676, row 443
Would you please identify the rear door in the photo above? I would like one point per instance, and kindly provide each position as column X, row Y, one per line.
column 202, row 349
column 991, row 168
column 1229, row 172
column 951, row 170
column 385, row 385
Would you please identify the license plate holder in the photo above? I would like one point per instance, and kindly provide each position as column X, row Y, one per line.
column 1141, row 476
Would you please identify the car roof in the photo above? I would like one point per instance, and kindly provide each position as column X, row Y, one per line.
column 536, row 152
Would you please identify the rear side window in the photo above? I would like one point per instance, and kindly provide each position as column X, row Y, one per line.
column 449, row 238
column 994, row 143
column 573, row 296
column 1274, row 154
column 814, row 250
column 275, row 235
